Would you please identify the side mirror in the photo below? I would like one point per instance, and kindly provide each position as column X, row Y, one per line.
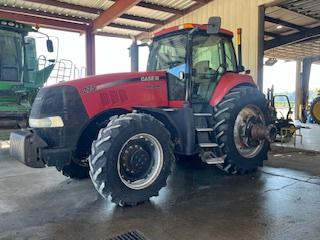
column 49, row 45
column 214, row 25
column 182, row 76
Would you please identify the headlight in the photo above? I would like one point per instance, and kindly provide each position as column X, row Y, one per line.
column 49, row 122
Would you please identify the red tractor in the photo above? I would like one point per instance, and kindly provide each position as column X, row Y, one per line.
column 126, row 129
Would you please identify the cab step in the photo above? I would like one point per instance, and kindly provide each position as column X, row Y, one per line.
column 218, row 160
column 202, row 114
column 204, row 129
column 208, row 145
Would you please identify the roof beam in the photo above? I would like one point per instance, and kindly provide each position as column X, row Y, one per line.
column 202, row 1
column 314, row 59
column 292, row 38
column 53, row 23
column 271, row 34
column 160, row 8
column 95, row 11
column 106, row 34
column 134, row 28
column 284, row 23
column 44, row 14
column 175, row 17
column 142, row 19
column 112, row 13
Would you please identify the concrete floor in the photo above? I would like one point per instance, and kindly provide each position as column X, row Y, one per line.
column 281, row 201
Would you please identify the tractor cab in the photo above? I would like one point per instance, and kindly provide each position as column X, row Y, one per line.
column 194, row 58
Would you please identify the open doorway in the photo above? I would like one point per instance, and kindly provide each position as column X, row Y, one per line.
column 291, row 51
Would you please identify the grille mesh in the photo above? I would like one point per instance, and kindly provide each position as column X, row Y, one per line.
column 132, row 235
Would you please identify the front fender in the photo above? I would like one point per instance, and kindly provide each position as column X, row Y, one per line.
column 227, row 82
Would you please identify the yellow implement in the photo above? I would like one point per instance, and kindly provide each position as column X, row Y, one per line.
column 315, row 110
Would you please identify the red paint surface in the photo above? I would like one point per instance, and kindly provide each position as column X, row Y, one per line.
column 124, row 95
column 202, row 27
column 176, row 104
column 127, row 95
column 226, row 83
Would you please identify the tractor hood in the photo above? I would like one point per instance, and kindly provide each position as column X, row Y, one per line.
column 102, row 93
column 99, row 82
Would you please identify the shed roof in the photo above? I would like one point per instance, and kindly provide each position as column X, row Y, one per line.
column 292, row 30
column 138, row 18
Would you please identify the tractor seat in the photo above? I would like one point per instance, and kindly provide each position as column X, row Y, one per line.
column 202, row 72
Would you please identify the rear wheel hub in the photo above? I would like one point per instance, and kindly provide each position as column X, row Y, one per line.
column 246, row 145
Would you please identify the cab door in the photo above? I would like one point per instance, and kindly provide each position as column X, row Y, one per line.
column 212, row 56
column 206, row 65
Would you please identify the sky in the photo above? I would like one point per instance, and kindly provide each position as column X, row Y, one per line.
column 283, row 76
column 112, row 55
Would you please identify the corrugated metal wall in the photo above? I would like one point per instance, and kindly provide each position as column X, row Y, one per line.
column 234, row 14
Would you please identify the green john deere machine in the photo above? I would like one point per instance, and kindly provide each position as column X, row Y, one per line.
column 22, row 73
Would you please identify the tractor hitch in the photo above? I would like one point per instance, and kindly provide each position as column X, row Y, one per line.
column 262, row 132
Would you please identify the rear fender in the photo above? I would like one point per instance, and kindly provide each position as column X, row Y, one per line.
column 227, row 82
column 182, row 131
column 163, row 117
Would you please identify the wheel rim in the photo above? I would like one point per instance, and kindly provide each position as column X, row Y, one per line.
column 246, row 146
column 140, row 161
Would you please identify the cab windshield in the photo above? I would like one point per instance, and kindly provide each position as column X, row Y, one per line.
column 210, row 57
column 167, row 52
column 170, row 52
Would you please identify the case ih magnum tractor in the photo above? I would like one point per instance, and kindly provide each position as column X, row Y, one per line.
column 126, row 129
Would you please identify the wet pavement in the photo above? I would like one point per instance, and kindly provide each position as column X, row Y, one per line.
column 281, row 201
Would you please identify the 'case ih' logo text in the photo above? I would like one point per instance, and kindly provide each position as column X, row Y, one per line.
column 150, row 78
column 88, row 89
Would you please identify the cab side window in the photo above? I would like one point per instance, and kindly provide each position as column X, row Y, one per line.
column 231, row 60
column 206, row 65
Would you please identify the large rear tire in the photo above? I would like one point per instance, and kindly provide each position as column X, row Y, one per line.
column 240, row 105
column 131, row 159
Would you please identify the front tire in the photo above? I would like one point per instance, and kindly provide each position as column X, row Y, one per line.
column 241, row 104
column 131, row 159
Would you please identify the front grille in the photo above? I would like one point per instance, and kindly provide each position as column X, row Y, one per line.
column 132, row 235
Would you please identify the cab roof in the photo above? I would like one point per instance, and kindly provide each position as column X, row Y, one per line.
column 190, row 26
